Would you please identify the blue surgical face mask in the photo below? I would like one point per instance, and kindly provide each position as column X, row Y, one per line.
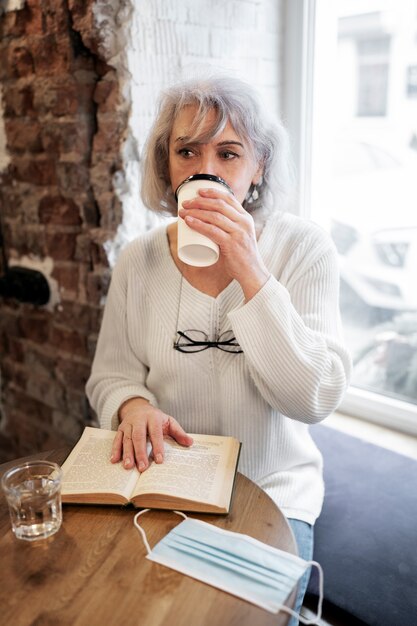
column 233, row 562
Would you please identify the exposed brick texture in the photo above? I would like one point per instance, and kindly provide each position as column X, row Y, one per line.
column 64, row 130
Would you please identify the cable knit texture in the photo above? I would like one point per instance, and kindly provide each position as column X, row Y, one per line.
column 292, row 373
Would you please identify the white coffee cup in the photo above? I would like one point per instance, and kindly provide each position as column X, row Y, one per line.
column 194, row 248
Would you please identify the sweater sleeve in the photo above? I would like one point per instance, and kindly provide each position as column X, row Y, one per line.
column 117, row 374
column 292, row 340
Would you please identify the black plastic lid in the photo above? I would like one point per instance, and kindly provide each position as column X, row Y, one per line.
column 211, row 177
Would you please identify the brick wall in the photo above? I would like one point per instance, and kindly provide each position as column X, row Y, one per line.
column 63, row 127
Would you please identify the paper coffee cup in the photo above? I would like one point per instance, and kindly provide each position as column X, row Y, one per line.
column 194, row 248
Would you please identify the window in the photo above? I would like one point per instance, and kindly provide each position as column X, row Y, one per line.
column 412, row 81
column 372, row 59
column 357, row 161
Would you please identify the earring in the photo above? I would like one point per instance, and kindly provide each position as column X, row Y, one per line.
column 252, row 194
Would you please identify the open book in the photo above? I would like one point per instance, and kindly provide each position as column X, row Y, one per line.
column 199, row 478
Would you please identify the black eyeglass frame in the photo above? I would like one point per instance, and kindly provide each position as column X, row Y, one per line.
column 204, row 345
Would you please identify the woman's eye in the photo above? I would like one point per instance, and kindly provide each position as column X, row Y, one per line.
column 185, row 152
column 227, row 155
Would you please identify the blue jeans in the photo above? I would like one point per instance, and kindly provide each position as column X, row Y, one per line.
column 304, row 536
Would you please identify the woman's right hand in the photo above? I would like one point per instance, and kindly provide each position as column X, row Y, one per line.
column 138, row 421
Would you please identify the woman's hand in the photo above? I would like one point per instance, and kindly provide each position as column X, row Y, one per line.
column 138, row 420
column 220, row 216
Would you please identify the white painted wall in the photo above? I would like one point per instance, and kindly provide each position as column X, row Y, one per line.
column 171, row 40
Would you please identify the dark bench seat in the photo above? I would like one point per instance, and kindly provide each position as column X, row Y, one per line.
column 366, row 536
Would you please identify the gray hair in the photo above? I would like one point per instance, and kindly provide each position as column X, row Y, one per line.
column 234, row 101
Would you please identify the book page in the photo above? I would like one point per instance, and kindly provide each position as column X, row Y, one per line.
column 195, row 473
column 88, row 468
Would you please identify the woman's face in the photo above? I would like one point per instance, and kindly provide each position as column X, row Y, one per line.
column 227, row 155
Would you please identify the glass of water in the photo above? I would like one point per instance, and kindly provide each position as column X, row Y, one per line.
column 33, row 493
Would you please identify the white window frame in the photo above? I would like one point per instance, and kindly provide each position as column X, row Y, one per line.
column 300, row 31
column 298, row 91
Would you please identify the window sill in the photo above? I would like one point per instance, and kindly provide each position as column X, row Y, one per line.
column 402, row 443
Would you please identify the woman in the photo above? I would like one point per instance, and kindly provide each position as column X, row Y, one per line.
column 274, row 288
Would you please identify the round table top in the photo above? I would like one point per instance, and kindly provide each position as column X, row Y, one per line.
column 94, row 570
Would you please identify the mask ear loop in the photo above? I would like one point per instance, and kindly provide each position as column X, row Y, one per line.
column 315, row 619
column 142, row 532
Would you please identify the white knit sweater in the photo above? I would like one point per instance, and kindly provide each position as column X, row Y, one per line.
column 292, row 373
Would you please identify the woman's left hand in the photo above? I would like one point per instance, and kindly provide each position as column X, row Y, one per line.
column 222, row 218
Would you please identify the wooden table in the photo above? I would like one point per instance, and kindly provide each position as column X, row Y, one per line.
column 94, row 570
